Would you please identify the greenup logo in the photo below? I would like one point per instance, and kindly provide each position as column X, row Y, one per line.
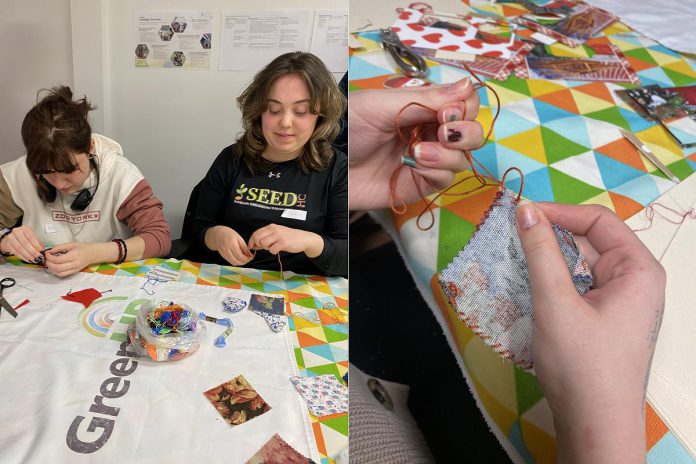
column 241, row 191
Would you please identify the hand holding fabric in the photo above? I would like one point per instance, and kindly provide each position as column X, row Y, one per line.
column 69, row 258
column 22, row 243
column 592, row 353
column 276, row 238
column 376, row 149
column 229, row 244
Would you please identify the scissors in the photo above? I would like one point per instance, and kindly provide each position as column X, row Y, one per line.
column 411, row 64
column 7, row 282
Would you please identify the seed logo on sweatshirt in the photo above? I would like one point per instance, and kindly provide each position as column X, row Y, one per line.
column 267, row 198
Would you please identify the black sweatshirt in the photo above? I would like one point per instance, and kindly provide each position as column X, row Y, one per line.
column 317, row 202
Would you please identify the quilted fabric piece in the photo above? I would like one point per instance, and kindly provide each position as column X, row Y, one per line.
column 324, row 394
column 277, row 451
column 487, row 283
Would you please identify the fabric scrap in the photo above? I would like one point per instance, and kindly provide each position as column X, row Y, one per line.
column 84, row 297
column 324, row 394
column 267, row 304
column 275, row 322
column 237, row 401
column 487, row 283
column 278, row 451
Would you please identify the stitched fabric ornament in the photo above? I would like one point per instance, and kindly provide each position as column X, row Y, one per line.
column 487, row 283
column 277, row 451
column 275, row 322
column 84, row 297
column 324, row 394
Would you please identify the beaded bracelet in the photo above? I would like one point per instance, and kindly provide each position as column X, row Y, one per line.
column 122, row 250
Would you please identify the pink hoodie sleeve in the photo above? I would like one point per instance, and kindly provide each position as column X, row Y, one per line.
column 142, row 211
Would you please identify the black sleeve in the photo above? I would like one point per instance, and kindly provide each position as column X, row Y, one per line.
column 333, row 260
column 211, row 199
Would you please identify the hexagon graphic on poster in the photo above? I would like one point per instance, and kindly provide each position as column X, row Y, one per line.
column 141, row 51
column 166, row 33
column 178, row 58
column 179, row 24
column 206, row 40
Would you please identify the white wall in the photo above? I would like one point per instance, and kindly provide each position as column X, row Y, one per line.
column 35, row 53
column 172, row 123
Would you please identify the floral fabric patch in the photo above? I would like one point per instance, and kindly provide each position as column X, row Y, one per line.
column 487, row 283
column 277, row 451
column 324, row 394
column 237, row 401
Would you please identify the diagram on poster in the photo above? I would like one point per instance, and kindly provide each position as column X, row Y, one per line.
column 173, row 39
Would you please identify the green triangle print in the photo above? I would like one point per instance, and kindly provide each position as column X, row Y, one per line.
column 309, row 302
column 333, row 336
column 515, row 84
column 642, row 54
column 611, row 115
column 258, row 286
column 568, row 189
column 682, row 169
column 558, row 147
column 299, row 358
column 528, row 390
column 455, row 232
column 325, row 369
column 678, row 78
column 340, row 423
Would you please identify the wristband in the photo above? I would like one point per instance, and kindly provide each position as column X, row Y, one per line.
column 4, row 233
column 122, row 251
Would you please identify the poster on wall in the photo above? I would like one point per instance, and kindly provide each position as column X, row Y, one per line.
column 330, row 38
column 173, row 39
column 251, row 39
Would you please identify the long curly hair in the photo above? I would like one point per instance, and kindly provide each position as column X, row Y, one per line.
column 326, row 101
column 53, row 131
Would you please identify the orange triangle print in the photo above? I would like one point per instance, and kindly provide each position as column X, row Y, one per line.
column 473, row 208
column 308, row 340
column 596, row 89
column 639, row 65
column 562, row 99
column 624, row 207
column 622, row 150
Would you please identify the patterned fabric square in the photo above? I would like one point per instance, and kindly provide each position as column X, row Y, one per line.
column 324, row 394
column 237, row 401
column 275, row 322
column 267, row 304
column 487, row 283
column 277, row 451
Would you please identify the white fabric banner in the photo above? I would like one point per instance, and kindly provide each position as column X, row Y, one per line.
column 70, row 393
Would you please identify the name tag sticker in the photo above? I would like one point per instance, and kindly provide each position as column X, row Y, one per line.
column 295, row 214
column 50, row 228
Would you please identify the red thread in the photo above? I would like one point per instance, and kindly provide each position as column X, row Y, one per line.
column 416, row 135
column 650, row 212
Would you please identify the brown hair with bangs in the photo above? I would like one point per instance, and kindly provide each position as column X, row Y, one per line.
column 326, row 101
column 54, row 131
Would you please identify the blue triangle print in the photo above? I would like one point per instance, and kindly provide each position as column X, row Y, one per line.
column 683, row 136
column 339, row 354
column 372, row 35
column 487, row 157
column 615, row 173
column 636, row 122
column 573, row 129
column 643, row 190
column 517, row 440
column 647, row 81
column 360, row 69
column 433, row 74
column 340, row 328
column 537, row 185
column 665, row 50
column 291, row 284
column 507, row 158
column 692, row 164
column 483, row 96
column 657, row 75
column 549, row 113
column 510, row 123
column 323, row 350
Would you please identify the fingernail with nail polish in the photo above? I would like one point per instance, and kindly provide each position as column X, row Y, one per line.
column 528, row 216
column 460, row 86
column 426, row 153
column 451, row 115
column 408, row 161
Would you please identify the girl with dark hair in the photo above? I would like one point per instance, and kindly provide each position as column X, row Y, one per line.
column 73, row 200
column 281, row 187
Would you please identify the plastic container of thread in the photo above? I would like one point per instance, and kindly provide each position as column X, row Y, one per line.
column 166, row 331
